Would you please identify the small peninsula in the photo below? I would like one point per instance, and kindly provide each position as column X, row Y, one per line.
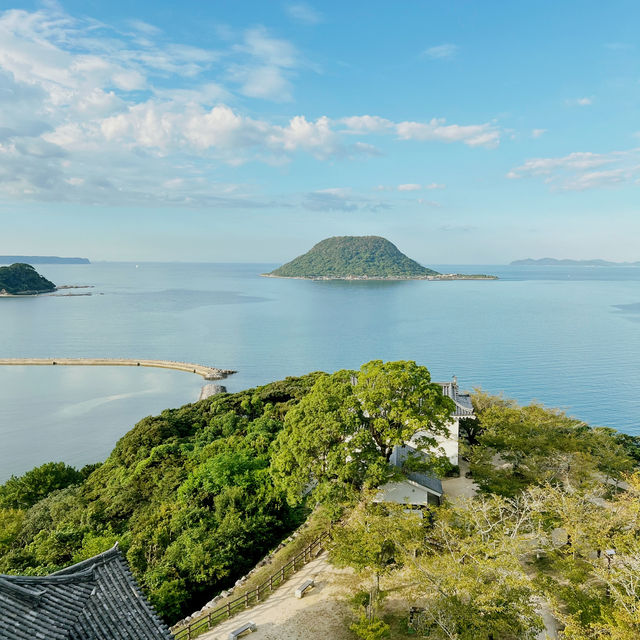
column 565, row 262
column 360, row 258
column 42, row 260
column 21, row 279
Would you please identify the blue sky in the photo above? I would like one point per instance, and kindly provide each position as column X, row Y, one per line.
column 465, row 132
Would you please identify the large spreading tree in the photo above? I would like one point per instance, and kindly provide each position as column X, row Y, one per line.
column 340, row 437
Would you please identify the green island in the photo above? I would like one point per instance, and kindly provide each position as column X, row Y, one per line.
column 360, row 258
column 547, row 526
column 21, row 279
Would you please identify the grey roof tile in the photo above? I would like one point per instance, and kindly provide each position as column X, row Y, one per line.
column 464, row 408
column 96, row 599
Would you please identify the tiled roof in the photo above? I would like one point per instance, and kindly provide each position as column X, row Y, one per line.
column 399, row 457
column 96, row 599
column 426, row 481
column 464, row 408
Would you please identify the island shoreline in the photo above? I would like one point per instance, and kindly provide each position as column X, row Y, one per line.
column 441, row 276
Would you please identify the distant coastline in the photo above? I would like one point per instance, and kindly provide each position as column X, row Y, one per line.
column 565, row 262
column 42, row 260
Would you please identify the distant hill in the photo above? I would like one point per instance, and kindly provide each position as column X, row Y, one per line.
column 23, row 279
column 544, row 262
column 353, row 257
column 42, row 260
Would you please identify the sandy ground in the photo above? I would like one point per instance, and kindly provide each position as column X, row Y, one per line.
column 320, row 615
column 459, row 487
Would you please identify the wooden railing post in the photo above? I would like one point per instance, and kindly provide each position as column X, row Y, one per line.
column 229, row 609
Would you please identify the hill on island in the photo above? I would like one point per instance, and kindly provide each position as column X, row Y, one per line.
column 23, row 279
column 345, row 257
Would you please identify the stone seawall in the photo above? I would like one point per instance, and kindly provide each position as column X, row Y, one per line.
column 208, row 373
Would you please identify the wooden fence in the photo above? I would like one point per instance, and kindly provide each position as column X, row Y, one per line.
column 231, row 607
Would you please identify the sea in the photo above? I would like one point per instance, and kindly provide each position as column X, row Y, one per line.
column 564, row 336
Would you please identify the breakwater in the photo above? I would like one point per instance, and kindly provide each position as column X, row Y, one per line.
column 208, row 373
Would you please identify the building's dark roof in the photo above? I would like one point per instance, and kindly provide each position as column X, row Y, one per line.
column 398, row 458
column 464, row 408
column 96, row 599
column 426, row 481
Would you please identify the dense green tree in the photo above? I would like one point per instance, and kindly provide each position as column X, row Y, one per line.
column 21, row 278
column 521, row 446
column 374, row 538
column 24, row 491
column 396, row 400
column 370, row 629
column 341, row 435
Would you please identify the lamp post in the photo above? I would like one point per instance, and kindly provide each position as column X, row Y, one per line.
column 609, row 553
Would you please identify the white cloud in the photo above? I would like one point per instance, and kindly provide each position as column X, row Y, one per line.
column 620, row 46
column 366, row 124
column 77, row 96
column 304, row 13
column 537, row 133
column 342, row 200
column 577, row 161
column 457, row 228
column 441, row 51
column 144, row 27
column 410, row 187
column 269, row 67
column 485, row 135
column 579, row 102
column 580, row 171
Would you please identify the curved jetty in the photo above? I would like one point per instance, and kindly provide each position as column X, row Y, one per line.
column 208, row 373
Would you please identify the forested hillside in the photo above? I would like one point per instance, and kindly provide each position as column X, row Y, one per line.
column 196, row 495
column 353, row 257
column 23, row 279
column 187, row 494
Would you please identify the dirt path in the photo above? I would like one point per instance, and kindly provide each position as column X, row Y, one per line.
column 319, row 615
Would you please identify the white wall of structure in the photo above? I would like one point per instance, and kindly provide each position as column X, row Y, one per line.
column 404, row 492
column 448, row 443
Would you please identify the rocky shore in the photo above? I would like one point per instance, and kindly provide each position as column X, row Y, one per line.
column 440, row 276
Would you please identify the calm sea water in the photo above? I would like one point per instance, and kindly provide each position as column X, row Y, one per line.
column 566, row 336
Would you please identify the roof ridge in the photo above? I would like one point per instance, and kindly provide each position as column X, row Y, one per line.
column 101, row 558
column 55, row 578
column 16, row 590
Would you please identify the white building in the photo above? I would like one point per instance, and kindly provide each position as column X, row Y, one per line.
column 463, row 409
column 421, row 489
